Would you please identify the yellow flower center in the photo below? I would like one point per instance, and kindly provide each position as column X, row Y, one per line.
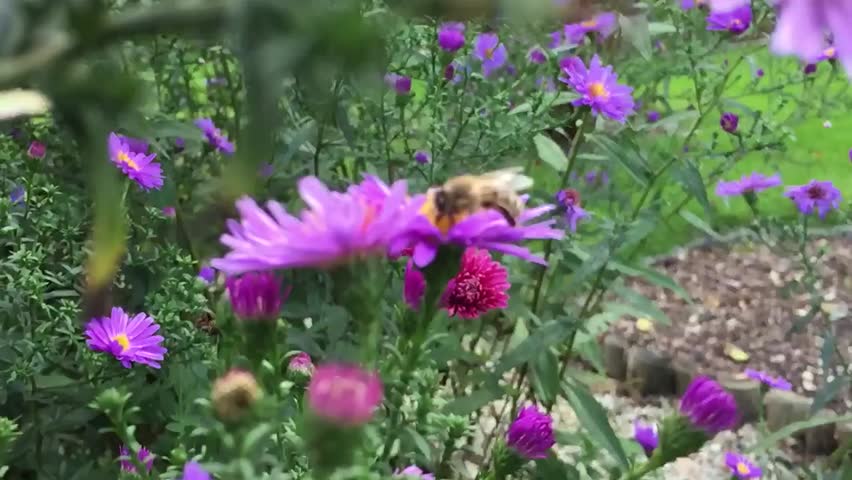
column 124, row 158
column 598, row 90
column 122, row 340
column 743, row 469
column 829, row 52
column 590, row 23
column 489, row 53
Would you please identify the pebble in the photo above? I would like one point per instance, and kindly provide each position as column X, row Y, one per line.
column 780, row 358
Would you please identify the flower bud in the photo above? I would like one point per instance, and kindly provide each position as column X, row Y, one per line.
column 234, row 394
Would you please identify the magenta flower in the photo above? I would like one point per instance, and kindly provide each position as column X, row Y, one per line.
column 646, row 436
column 144, row 456
column 708, row 406
column 36, row 149
column 207, row 274
column 569, row 202
column 735, row 21
column 301, row 364
column 488, row 49
column 754, row 182
column 422, row 157
column 169, row 212
column 603, row 24
column 802, row 25
column 598, row 88
column 214, row 136
column 531, row 434
column 729, row 122
column 344, row 394
column 775, row 382
column 399, row 83
column 451, row 36
column 194, row 471
column 256, row 295
column 130, row 156
column 413, row 471
column 414, row 286
column 815, row 195
column 537, row 56
column 336, row 227
column 741, row 467
column 479, row 286
column 129, row 340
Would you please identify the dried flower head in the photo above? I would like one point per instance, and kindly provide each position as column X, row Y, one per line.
column 234, row 394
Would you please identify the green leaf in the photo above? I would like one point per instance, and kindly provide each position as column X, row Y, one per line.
column 642, row 304
column 548, row 335
column 545, row 377
column 627, row 154
column 551, row 468
column 795, row 427
column 519, row 334
column 657, row 28
column 418, row 441
column 699, row 223
column 828, row 392
column 550, row 152
column 479, row 398
column 652, row 276
column 636, row 30
column 593, row 418
column 693, row 183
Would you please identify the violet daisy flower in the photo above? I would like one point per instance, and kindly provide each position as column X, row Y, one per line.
column 537, row 56
column 451, row 36
column 775, row 382
column 413, row 471
column 830, row 53
column 729, row 122
column 214, row 136
column 344, row 394
column 754, row 182
column 36, row 149
column 741, row 467
column 194, row 471
column 414, row 286
column 708, row 406
column 479, row 286
column 488, row 49
column 735, row 21
column 646, row 436
column 569, row 200
column 18, row 195
column 144, row 456
column 399, row 83
column 128, row 339
column 301, row 364
column 335, row 227
column 815, row 195
column 598, row 88
column 422, row 157
column 256, row 295
column 531, row 434
column 603, row 24
column 130, row 156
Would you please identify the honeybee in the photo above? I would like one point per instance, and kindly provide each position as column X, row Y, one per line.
column 466, row 194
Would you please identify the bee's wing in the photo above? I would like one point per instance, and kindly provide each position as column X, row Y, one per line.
column 510, row 178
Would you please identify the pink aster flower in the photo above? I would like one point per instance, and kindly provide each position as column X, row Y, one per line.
column 144, row 456
column 256, row 295
column 741, row 467
column 128, row 339
column 336, row 227
column 479, row 286
column 344, row 394
column 603, row 24
column 194, row 471
column 646, row 436
column 36, row 149
column 598, row 88
column 775, row 382
column 531, row 434
column 415, row 472
column 488, row 49
column 569, row 200
column 130, row 156
column 214, row 136
column 414, row 286
column 754, row 182
column 301, row 364
column 815, row 195
column 735, row 21
column 451, row 36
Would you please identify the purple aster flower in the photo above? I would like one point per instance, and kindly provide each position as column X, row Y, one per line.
column 488, row 49
column 399, row 83
column 802, row 24
column 18, row 195
column 830, row 53
column 555, row 39
column 135, row 162
column 754, row 182
column 334, row 228
column 729, row 122
column 207, row 274
column 735, row 21
column 598, row 88
column 646, row 436
column 345, row 394
column 741, row 467
column 850, row 154
column 652, row 116
column 451, row 36
column 775, row 382
column 301, row 364
column 537, row 56
column 256, row 295
column 487, row 229
column 214, row 136
column 758, row 73
column 815, row 195
column 169, row 212
column 809, row 68
column 689, row 4
column 36, row 149
column 413, row 471
column 144, row 456
column 128, row 339
column 194, row 471
column 180, row 144
column 708, row 406
column 422, row 157
column 569, row 200
column 531, row 434
column 603, row 24
column 266, row 170
column 414, row 286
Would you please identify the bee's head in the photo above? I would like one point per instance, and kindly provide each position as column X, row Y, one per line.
column 442, row 200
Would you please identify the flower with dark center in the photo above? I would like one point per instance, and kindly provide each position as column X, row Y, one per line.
column 479, row 286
